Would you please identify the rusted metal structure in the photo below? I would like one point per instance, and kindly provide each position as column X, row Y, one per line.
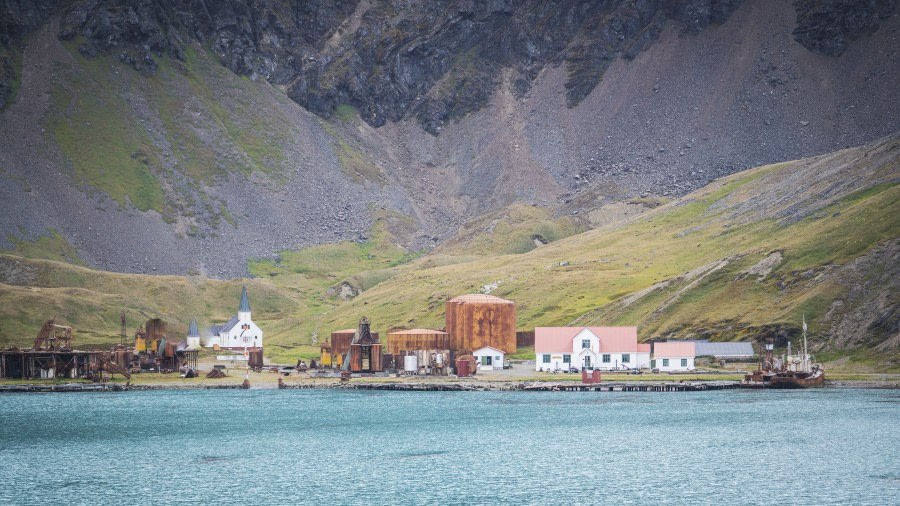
column 255, row 358
column 48, row 364
column 524, row 338
column 475, row 321
column 51, row 357
column 786, row 371
column 466, row 365
column 365, row 351
column 419, row 350
column 53, row 337
column 340, row 345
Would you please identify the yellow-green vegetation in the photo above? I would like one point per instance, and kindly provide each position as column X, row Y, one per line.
column 346, row 112
column 515, row 229
column 210, row 118
column 101, row 138
column 91, row 301
column 216, row 124
column 357, row 165
column 51, row 246
column 754, row 251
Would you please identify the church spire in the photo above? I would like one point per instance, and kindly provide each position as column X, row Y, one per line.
column 245, row 302
column 192, row 330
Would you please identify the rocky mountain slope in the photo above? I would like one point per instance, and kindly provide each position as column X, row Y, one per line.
column 174, row 137
column 745, row 256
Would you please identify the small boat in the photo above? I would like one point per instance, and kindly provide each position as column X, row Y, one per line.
column 786, row 371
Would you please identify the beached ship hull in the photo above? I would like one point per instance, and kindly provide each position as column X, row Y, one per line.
column 789, row 380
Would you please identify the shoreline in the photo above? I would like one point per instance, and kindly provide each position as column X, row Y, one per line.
column 428, row 385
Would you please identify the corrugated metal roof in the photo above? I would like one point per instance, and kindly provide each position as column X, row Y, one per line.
column 230, row 325
column 417, row 332
column 725, row 349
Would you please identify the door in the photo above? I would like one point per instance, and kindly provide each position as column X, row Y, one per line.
column 587, row 362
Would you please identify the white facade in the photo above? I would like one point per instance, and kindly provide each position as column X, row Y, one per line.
column 587, row 352
column 673, row 364
column 240, row 332
column 674, row 356
column 489, row 358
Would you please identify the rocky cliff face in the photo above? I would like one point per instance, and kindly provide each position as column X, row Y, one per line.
column 431, row 113
column 827, row 26
column 436, row 61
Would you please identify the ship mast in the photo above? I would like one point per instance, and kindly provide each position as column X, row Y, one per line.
column 805, row 349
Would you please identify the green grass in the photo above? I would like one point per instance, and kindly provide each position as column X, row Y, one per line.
column 356, row 164
column 346, row 113
column 51, row 246
column 101, row 139
column 579, row 277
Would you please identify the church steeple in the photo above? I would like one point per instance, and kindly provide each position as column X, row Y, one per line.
column 245, row 304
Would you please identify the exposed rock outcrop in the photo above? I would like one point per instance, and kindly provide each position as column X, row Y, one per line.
column 827, row 26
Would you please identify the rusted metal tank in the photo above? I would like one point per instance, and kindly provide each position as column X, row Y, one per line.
column 475, row 321
column 401, row 341
column 255, row 358
column 465, row 366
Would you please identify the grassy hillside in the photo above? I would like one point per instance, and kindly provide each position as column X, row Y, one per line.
column 747, row 255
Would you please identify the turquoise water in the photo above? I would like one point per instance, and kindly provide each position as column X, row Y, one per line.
column 277, row 447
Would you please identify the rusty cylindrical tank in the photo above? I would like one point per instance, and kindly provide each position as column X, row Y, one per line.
column 475, row 321
column 465, row 366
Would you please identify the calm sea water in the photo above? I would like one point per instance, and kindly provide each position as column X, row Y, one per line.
column 279, row 447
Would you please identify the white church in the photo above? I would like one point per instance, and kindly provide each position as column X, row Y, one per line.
column 240, row 332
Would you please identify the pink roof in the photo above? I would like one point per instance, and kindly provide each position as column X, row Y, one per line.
column 643, row 348
column 674, row 349
column 559, row 339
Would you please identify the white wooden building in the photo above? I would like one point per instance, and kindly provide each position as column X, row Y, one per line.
column 239, row 332
column 604, row 348
column 489, row 358
column 673, row 356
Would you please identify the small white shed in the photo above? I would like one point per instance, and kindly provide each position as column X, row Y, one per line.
column 489, row 358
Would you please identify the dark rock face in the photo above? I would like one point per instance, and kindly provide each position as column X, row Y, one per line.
column 444, row 60
column 259, row 37
column 827, row 26
column 436, row 61
column 17, row 18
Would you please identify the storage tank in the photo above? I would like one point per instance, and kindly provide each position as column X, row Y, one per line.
column 475, row 321
column 410, row 363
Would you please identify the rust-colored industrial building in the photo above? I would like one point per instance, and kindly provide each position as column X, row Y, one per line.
column 338, row 347
column 475, row 321
column 365, row 350
column 416, row 349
